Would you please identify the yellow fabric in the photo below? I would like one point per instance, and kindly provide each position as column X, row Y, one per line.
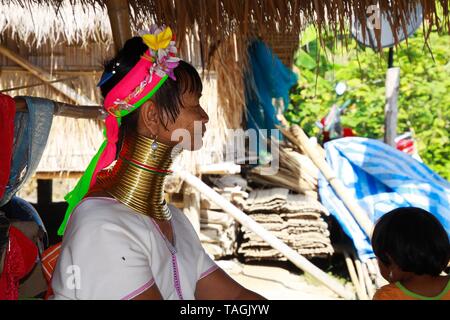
column 159, row 41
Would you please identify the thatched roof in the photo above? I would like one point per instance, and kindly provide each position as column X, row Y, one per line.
column 209, row 21
column 51, row 34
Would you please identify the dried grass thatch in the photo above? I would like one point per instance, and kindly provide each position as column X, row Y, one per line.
column 211, row 22
column 210, row 33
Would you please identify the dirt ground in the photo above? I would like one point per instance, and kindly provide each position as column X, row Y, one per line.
column 276, row 282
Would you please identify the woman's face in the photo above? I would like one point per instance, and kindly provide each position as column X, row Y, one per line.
column 188, row 128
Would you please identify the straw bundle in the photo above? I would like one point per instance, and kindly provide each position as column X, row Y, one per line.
column 296, row 172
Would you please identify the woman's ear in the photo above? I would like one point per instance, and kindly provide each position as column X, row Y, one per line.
column 149, row 119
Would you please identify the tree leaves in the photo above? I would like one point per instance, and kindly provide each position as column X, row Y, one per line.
column 424, row 99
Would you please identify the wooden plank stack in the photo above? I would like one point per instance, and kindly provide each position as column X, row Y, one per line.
column 218, row 230
column 294, row 218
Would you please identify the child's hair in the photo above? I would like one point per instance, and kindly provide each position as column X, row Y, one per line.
column 168, row 97
column 413, row 239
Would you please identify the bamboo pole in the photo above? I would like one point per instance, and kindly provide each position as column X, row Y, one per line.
column 67, row 110
column 354, row 277
column 273, row 241
column 369, row 284
column 361, row 279
column 36, row 84
column 46, row 77
column 119, row 18
column 302, row 141
column 90, row 71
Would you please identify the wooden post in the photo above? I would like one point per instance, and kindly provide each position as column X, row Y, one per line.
column 44, row 192
column 301, row 140
column 68, row 110
column 119, row 18
column 292, row 255
column 390, row 109
column 46, row 77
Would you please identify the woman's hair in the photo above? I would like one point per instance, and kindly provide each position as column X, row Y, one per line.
column 413, row 239
column 168, row 98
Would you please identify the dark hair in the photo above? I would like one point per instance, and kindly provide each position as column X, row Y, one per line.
column 413, row 239
column 168, row 97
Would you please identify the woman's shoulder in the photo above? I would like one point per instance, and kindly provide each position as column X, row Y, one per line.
column 94, row 214
column 102, row 208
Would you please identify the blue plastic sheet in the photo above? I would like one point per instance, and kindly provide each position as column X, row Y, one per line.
column 380, row 178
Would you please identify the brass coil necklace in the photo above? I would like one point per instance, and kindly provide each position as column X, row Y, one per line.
column 137, row 179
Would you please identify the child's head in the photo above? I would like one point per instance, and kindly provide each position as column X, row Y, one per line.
column 174, row 106
column 410, row 241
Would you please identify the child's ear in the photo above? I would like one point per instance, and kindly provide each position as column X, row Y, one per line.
column 149, row 117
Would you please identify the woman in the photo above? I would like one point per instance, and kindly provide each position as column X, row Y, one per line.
column 122, row 240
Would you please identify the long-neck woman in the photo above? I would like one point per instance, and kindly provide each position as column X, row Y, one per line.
column 123, row 240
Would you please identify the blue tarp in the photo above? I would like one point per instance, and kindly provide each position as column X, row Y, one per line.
column 380, row 178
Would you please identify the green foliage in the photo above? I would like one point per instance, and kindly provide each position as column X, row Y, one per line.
column 424, row 99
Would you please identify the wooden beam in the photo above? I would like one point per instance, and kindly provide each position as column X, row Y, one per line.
column 119, row 17
column 35, row 84
column 68, row 110
column 46, row 77
column 391, row 109
column 58, row 175
column 91, row 71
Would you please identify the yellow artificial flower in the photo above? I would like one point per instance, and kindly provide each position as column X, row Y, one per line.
column 159, row 41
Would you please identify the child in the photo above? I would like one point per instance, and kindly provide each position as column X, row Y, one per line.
column 412, row 250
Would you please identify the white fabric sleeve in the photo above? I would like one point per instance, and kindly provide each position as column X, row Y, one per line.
column 102, row 262
column 207, row 265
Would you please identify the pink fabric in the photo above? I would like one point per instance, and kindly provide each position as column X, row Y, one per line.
column 109, row 154
column 133, row 79
column 209, row 271
column 140, row 290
